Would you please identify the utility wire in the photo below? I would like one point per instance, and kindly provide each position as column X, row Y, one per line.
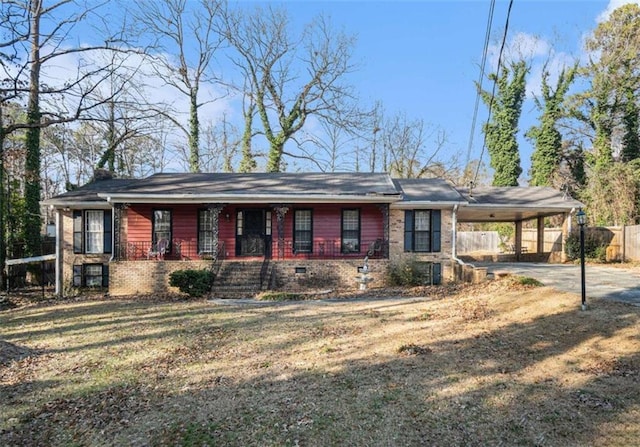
column 493, row 92
column 483, row 64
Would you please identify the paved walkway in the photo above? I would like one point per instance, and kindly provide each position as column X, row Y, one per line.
column 602, row 281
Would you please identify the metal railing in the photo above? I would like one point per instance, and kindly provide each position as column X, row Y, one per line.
column 188, row 250
column 177, row 250
column 331, row 249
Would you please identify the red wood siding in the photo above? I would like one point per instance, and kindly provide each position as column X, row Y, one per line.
column 326, row 225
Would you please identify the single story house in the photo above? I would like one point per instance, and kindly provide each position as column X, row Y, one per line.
column 271, row 230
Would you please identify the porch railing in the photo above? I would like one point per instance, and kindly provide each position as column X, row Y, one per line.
column 177, row 250
column 187, row 250
column 331, row 249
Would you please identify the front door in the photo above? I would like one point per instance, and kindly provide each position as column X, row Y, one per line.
column 250, row 233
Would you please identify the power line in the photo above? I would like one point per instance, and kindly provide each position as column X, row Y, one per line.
column 483, row 64
column 493, row 91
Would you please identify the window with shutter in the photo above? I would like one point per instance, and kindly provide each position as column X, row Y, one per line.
column 422, row 231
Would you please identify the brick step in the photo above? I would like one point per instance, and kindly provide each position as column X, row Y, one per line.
column 238, row 278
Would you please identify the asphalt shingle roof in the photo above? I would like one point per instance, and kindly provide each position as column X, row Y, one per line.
column 266, row 183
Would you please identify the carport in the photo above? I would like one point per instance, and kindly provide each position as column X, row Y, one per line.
column 518, row 205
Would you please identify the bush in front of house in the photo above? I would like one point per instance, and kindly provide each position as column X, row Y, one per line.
column 195, row 283
column 408, row 272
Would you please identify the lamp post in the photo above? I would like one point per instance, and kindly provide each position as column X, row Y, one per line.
column 582, row 220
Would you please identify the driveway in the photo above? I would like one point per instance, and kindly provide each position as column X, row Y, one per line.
column 622, row 284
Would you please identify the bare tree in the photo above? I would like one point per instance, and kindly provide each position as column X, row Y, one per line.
column 35, row 36
column 178, row 26
column 290, row 78
column 407, row 150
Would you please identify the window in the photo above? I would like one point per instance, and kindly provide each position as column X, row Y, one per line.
column 350, row 231
column 302, row 231
column 161, row 227
column 91, row 275
column 422, row 231
column 92, row 231
column 205, row 231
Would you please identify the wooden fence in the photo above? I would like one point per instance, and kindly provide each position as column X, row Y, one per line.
column 478, row 241
column 623, row 243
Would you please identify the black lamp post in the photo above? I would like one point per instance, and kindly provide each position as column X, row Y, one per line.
column 582, row 220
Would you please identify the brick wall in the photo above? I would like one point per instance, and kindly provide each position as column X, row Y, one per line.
column 147, row 277
column 69, row 258
column 396, row 243
column 327, row 274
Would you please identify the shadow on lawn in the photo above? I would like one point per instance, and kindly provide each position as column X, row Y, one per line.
column 463, row 390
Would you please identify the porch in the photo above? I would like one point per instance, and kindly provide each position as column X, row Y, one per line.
column 188, row 250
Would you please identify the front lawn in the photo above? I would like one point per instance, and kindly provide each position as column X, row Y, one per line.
column 495, row 364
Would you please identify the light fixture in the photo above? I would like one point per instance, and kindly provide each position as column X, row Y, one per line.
column 227, row 217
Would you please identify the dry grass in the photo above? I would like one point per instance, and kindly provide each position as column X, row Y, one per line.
column 496, row 364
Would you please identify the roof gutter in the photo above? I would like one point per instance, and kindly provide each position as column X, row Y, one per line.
column 427, row 204
column 245, row 198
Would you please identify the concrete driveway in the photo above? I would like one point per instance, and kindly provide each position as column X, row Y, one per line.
column 622, row 284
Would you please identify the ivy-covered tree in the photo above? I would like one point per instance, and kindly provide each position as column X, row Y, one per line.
column 610, row 104
column 501, row 131
column 546, row 137
column 631, row 128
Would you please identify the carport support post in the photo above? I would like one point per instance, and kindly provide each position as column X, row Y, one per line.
column 518, row 239
column 540, row 239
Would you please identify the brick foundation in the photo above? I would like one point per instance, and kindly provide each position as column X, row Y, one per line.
column 147, row 277
column 327, row 274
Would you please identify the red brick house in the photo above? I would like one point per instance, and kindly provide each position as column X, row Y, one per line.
column 255, row 231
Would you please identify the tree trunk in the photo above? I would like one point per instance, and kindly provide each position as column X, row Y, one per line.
column 33, row 221
column 194, row 133
column 3, row 210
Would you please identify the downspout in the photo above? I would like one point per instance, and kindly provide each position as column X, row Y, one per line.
column 454, row 242
column 113, row 230
column 454, row 236
column 59, row 235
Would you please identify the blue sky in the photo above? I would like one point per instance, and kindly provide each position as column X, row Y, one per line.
column 422, row 57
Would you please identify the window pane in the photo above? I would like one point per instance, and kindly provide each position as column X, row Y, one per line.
column 161, row 225
column 422, row 241
column 303, row 220
column 205, row 236
column 350, row 231
column 422, row 220
column 302, row 231
column 93, row 275
column 350, row 220
column 94, row 236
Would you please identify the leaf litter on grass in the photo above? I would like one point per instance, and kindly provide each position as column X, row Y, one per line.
column 499, row 363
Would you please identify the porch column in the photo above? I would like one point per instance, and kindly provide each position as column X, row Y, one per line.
column 281, row 211
column 118, row 215
column 540, row 238
column 215, row 210
column 384, row 209
column 518, row 239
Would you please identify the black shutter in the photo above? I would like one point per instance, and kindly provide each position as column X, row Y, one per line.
column 435, row 230
column 107, row 232
column 436, row 271
column 105, row 275
column 408, row 230
column 77, row 231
